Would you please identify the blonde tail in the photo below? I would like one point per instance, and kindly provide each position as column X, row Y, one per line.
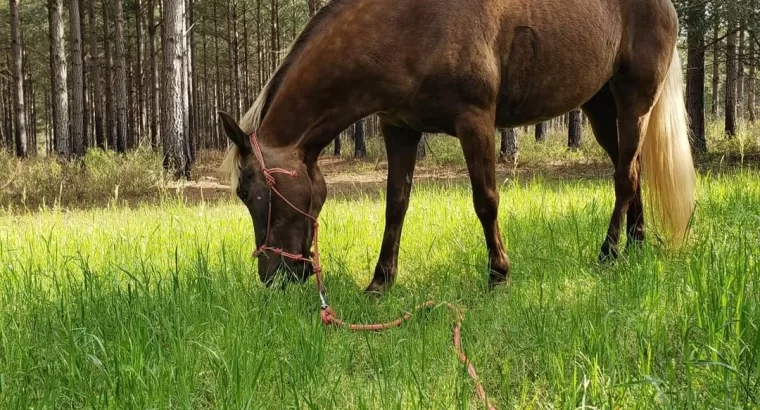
column 668, row 167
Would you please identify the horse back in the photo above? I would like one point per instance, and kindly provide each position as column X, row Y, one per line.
column 421, row 62
column 554, row 55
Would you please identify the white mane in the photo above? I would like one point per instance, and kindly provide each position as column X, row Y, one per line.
column 251, row 121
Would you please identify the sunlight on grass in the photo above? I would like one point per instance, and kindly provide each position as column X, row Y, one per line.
column 161, row 308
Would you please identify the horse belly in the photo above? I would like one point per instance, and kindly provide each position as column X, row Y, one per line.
column 557, row 55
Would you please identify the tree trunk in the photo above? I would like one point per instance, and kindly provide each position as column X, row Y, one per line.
column 49, row 150
column 695, row 74
column 131, row 106
column 3, row 117
column 95, row 75
column 314, row 6
column 18, row 80
column 122, row 126
column 87, row 111
column 154, row 89
column 77, row 80
column 422, row 148
column 541, row 132
column 59, row 79
column 274, row 35
column 186, row 84
column 110, row 128
column 32, row 119
column 751, row 60
column 247, row 99
column 337, row 146
column 509, row 146
column 217, row 74
column 574, row 130
column 716, row 69
column 192, row 91
column 360, row 144
column 740, row 56
column 207, row 122
column 8, row 124
column 28, row 103
column 235, row 58
column 175, row 157
column 731, row 73
column 142, row 115
column 751, row 79
column 7, row 115
column 259, row 49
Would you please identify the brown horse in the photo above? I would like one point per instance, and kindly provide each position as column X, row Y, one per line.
column 462, row 68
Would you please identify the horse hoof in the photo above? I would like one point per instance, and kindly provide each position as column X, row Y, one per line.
column 608, row 255
column 498, row 280
column 377, row 288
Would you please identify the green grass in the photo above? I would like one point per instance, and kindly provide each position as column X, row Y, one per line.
column 160, row 307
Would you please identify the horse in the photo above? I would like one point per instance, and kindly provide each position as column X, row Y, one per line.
column 463, row 68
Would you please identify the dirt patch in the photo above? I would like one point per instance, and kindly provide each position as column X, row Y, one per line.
column 348, row 178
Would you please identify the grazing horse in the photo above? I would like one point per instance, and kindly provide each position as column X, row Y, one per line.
column 462, row 68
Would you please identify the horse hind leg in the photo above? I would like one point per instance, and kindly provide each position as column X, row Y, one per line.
column 603, row 118
column 635, row 92
column 636, row 232
column 401, row 147
column 475, row 131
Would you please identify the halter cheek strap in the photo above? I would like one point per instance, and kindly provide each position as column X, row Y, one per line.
column 271, row 183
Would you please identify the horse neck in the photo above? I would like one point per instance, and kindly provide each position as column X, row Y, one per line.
column 318, row 95
column 308, row 119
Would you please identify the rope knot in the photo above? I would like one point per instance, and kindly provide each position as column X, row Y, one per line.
column 269, row 178
column 327, row 316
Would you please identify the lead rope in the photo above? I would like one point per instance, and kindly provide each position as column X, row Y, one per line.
column 327, row 314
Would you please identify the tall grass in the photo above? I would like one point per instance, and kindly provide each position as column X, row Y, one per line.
column 97, row 178
column 160, row 308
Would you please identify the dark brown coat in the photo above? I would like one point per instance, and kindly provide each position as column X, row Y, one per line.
column 462, row 68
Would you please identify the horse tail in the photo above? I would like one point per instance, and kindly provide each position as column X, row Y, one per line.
column 668, row 167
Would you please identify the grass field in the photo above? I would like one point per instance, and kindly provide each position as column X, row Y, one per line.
column 160, row 307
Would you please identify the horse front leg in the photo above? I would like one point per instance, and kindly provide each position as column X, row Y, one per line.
column 476, row 133
column 401, row 148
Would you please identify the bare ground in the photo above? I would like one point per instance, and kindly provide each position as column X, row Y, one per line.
column 350, row 177
column 347, row 177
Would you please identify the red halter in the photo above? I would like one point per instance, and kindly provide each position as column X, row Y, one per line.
column 328, row 315
column 271, row 182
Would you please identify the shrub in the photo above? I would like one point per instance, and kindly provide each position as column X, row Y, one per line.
column 98, row 177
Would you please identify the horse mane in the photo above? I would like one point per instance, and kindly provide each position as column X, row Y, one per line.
column 252, row 119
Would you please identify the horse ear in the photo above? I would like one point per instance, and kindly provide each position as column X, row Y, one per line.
column 234, row 133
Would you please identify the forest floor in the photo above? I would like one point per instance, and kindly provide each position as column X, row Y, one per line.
column 106, row 179
column 348, row 177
